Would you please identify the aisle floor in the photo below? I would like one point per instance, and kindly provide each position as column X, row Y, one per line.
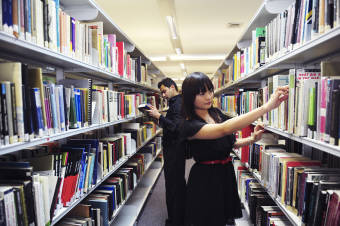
column 154, row 212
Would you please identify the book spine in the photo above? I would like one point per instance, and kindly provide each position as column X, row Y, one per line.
column 14, row 114
column 311, row 112
column 9, row 112
column 334, row 117
column 39, row 116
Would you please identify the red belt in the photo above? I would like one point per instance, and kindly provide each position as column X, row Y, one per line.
column 213, row 162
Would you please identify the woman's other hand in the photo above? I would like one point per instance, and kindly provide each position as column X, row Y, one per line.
column 257, row 134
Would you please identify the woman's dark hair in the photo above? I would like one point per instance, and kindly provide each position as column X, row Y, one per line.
column 167, row 82
column 194, row 84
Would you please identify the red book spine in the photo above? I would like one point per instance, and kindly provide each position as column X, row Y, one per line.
column 120, row 47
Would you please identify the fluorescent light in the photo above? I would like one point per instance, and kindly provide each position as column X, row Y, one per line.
column 191, row 57
column 178, row 79
column 172, row 26
column 178, row 51
column 158, row 58
column 182, row 66
column 197, row 57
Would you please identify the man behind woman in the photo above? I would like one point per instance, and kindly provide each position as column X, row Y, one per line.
column 212, row 198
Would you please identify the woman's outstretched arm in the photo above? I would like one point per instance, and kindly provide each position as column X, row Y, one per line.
column 215, row 131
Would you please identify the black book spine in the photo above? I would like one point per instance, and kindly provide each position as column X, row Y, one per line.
column 5, row 130
column 334, row 117
column 14, row 110
column 296, row 21
column 2, row 212
column 18, row 207
column 45, row 21
column 2, row 137
column 34, row 112
column 82, row 107
column 89, row 107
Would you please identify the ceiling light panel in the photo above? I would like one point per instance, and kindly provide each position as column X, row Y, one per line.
column 171, row 23
column 178, row 51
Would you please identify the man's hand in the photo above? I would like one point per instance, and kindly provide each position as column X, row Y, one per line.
column 154, row 112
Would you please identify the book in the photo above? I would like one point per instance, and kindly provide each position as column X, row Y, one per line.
column 12, row 72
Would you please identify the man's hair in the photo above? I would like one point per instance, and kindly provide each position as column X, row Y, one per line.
column 167, row 82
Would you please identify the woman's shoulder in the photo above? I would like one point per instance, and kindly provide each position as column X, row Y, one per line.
column 190, row 127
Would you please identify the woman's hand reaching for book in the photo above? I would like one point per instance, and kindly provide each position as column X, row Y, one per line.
column 257, row 134
column 280, row 95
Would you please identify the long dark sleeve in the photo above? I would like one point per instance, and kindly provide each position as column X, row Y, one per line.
column 170, row 124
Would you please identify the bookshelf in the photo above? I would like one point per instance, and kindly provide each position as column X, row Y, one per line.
column 295, row 220
column 18, row 49
column 62, row 212
column 149, row 174
column 22, row 145
column 305, row 54
column 311, row 52
column 134, row 205
column 325, row 147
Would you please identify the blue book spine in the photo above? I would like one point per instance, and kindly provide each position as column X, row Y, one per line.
column 113, row 189
column 54, row 106
column 77, row 103
column 57, row 4
column 37, row 97
column 91, row 172
column 83, row 171
column 7, row 17
column 104, row 209
column 4, row 12
column 61, row 107
column 73, row 30
column 29, row 16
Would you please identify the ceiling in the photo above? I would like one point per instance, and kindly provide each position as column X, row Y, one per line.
column 201, row 26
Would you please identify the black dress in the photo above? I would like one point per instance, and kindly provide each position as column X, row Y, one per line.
column 212, row 196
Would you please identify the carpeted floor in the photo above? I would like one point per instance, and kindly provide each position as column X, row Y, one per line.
column 155, row 213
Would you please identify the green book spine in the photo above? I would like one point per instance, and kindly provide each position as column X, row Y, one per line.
column 311, row 112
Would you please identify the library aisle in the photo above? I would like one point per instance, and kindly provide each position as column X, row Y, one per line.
column 154, row 212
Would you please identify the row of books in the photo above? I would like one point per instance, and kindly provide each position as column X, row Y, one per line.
column 262, row 209
column 53, row 176
column 310, row 111
column 302, row 185
column 101, row 206
column 303, row 21
column 46, row 24
column 34, row 106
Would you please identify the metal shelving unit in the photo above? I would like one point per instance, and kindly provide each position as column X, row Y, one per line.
column 62, row 212
column 20, row 50
column 134, row 205
column 322, row 146
column 324, row 46
column 116, row 213
column 72, row 132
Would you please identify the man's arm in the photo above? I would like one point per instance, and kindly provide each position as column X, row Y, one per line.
column 169, row 124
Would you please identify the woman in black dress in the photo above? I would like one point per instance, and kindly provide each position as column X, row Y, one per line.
column 212, row 197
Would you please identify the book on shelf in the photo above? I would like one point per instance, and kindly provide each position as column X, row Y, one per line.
column 302, row 21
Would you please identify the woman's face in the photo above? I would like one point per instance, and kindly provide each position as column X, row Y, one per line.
column 203, row 101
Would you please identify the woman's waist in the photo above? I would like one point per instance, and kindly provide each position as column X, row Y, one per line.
column 214, row 161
